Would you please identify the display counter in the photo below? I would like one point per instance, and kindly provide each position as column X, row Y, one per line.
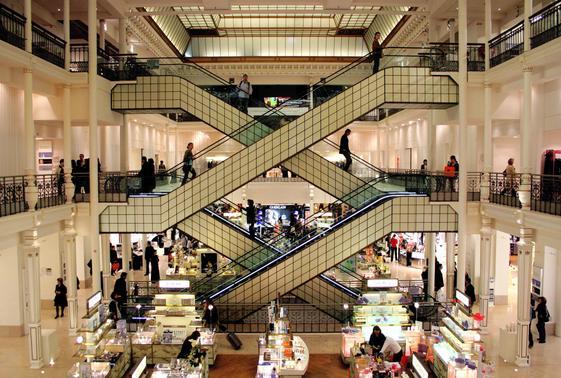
column 179, row 368
column 283, row 354
column 367, row 367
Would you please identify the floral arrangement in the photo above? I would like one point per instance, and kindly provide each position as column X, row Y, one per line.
column 478, row 317
column 197, row 354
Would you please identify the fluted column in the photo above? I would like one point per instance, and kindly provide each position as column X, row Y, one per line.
column 67, row 135
column 66, row 27
column 31, row 252
column 69, row 239
column 387, row 145
column 126, row 244
column 487, row 142
column 429, row 252
column 525, row 262
column 106, row 266
column 125, row 143
column 485, row 268
column 526, row 138
column 450, row 259
column 30, row 169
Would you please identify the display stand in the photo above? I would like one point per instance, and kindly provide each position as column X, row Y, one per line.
column 461, row 340
column 106, row 351
column 367, row 367
column 280, row 352
column 180, row 368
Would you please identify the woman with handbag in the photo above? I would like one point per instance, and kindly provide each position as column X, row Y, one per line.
column 60, row 298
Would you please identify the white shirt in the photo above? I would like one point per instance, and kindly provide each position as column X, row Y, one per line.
column 391, row 345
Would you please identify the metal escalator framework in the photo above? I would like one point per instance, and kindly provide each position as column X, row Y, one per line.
column 394, row 87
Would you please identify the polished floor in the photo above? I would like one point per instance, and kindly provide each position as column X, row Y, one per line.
column 324, row 360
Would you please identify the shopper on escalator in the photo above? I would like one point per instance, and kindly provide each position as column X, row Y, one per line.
column 188, row 164
column 250, row 215
column 376, row 52
column 345, row 150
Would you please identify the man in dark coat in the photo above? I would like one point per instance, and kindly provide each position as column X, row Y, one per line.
column 250, row 215
column 148, row 253
column 345, row 150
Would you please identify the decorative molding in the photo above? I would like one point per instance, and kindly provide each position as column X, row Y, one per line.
column 412, row 29
column 141, row 29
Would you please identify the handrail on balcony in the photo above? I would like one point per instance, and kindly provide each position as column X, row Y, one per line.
column 48, row 46
column 507, row 44
column 12, row 27
column 12, row 195
column 50, row 190
column 545, row 25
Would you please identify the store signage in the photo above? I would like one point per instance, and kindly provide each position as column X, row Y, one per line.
column 418, row 366
column 93, row 301
column 139, row 370
column 277, row 207
column 462, row 298
column 382, row 283
column 174, row 284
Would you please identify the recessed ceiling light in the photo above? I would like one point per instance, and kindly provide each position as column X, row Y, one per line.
column 499, row 9
column 58, row 10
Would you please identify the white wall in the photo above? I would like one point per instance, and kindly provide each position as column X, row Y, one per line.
column 49, row 263
column 502, row 280
column 12, row 295
column 11, row 131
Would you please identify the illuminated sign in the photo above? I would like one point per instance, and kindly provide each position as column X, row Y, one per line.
column 462, row 298
column 383, row 283
column 175, row 284
column 137, row 373
column 93, row 301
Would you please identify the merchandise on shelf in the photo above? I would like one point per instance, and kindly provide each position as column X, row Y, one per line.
column 180, row 368
column 280, row 352
column 366, row 366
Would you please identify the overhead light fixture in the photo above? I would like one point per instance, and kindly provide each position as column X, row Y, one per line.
column 105, row 26
column 499, row 9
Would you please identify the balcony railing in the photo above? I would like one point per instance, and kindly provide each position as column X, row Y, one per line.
column 474, row 186
column 546, row 194
column 44, row 44
column 12, row 195
column 50, row 189
column 545, row 25
column 503, row 189
column 507, row 45
column 47, row 46
column 12, row 27
column 446, row 57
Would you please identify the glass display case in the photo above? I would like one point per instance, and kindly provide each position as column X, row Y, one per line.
column 179, row 368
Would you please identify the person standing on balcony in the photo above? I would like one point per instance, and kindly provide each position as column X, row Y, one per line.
column 345, row 150
column 425, row 166
column 245, row 90
column 376, row 52
column 188, row 164
column 80, row 177
column 60, row 177
column 510, row 174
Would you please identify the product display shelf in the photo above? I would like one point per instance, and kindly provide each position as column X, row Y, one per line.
column 92, row 340
column 179, row 368
column 366, row 366
column 280, row 352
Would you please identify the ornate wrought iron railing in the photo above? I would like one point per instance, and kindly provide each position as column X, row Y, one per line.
column 503, row 189
column 12, row 27
column 47, row 46
column 446, row 57
column 546, row 194
column 545, row 25
column 50, row 190
column 12, row 195
column 507, row 45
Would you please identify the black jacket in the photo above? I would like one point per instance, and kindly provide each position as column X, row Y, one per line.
column 344, row 145
column 149, row 252
column 541, row 312
column 377, row 342
column 121, row 289
column 60, row 296
column 470, row 292
column 250, row 214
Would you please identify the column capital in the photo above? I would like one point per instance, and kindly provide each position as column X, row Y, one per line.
column 487, row 84
column 486, row 225
column 527, row 234
column 27, row 71
column 527, row 68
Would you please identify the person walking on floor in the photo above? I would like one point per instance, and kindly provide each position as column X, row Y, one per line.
column 250, row 215
column 188, row 164
column 345, row 150
column 155, row 268
column 393, row 248
column 376, row 52
column 120, row 290
column 509, row 174
column 113, row 259
column 542, row 314
column 148, row 253
column 470, row 291
column 245, row 90
column 60, row 298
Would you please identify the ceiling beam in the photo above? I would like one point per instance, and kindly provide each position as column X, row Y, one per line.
column 284, row 11
column 226, row 4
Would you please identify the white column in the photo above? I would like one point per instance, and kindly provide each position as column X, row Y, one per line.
column 122, row 35
column 387, row 145
column 429, row 252
column 66, row 27
column 527, row 15
column 69, row 240
column 102, row 34
column 126, row 244
column 450, row 259
column 125, row 143
column 28, row 25
column 487, row 142
column 168, row 157
column 67, row 135
column 431, row 140
column 92, row 118
column 525, row 258
column 106, row 266
column 526, row 137
column 177, row 157
column 379, row 156
column 488, row 20
column 462, row 151
column 485, row 268
column 31, row 252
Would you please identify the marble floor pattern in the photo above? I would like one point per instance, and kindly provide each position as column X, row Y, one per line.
column 545, row 357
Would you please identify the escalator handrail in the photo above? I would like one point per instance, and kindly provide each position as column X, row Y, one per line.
column 355, row 157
